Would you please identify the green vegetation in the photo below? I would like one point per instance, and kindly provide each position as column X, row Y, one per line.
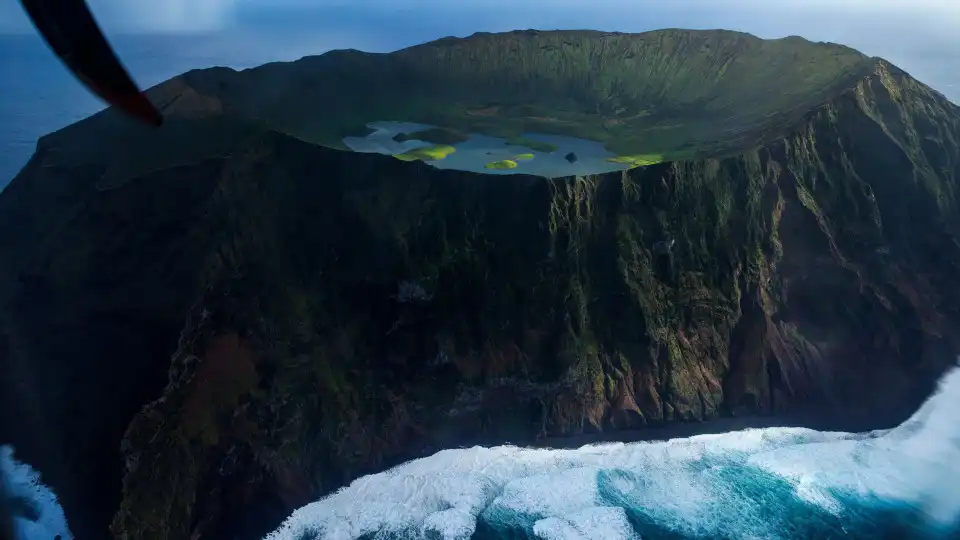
column 677, row 92
column 639, row 160
column 502, row 164
column 430, row 153
column 523, row 157
column 434, row 136
column 707, row 92
column 539, row 146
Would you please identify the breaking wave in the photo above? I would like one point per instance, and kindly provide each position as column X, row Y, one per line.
column 752, row 484
column 38, row 514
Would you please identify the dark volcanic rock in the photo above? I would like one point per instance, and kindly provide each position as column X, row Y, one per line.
column 663, row 247
column 317, row 315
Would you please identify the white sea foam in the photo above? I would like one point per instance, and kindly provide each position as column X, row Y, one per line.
column 23, row 482
column 756, row 483
column 597, row 523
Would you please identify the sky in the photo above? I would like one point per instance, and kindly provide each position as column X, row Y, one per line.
column 158, row 39
column 880, row 21
column 208, row 15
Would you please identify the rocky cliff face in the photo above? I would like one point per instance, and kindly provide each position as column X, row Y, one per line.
column 318, row 315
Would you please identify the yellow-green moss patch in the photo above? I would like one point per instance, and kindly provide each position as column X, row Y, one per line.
column 430, row 153
column 502, row 164
column 639, row 160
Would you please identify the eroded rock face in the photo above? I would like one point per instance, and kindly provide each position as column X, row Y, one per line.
column 330, row 314
column 815, row 273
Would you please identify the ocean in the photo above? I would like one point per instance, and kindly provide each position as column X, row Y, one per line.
column 772, row 483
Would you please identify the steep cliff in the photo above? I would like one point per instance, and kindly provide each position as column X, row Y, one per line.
column 317, row 314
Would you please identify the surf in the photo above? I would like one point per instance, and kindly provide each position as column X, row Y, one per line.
column 750, row 484
column 772, row 483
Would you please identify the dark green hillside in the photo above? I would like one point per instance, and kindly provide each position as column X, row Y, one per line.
column 664, row 95
column 665, row 92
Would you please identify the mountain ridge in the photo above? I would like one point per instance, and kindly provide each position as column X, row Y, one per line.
column 288, row 97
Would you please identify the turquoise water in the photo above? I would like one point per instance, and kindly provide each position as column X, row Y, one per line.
column 776, row 483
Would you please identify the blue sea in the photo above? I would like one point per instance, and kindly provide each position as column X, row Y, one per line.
column 773, row 483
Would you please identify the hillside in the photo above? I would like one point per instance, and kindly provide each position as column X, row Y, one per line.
column 664, row 95
column 234, row 320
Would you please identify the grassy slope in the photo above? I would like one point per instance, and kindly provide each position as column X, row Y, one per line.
column 670, row 93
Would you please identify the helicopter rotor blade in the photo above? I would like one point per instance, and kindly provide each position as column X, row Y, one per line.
column 70, row 30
